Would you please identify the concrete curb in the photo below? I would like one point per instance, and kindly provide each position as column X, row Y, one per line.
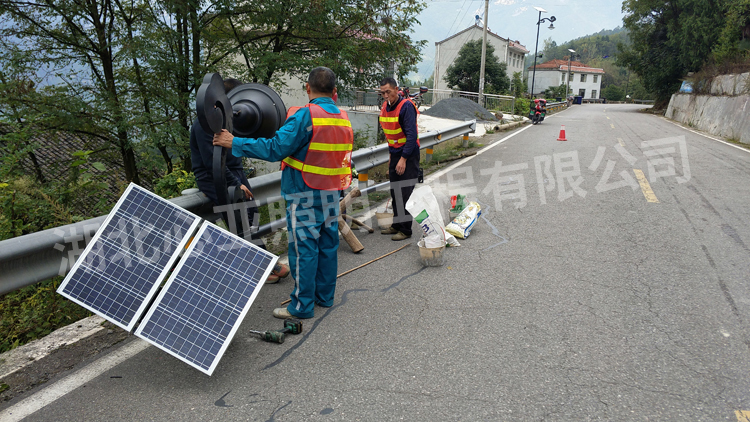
column 23, row 356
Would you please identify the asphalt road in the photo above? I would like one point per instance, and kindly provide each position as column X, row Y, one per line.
column 583, row 293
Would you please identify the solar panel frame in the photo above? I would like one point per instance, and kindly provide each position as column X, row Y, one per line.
column 65, row 289
column 168, row 301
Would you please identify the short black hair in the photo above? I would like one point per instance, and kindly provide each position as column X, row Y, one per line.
column 230, row 84
column 389, row 81
column 322, row 80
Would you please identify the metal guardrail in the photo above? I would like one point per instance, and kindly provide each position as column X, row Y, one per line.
column 371, row 100
column 556, row 106
column 39, row 256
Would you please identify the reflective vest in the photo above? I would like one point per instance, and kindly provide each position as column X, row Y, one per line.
column 389, row 121
column 328, row 163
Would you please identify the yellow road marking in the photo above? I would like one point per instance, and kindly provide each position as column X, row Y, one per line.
column 613, row 125
column 622, row 144
column 742, row 415
column 607, row 117
column 645, row 187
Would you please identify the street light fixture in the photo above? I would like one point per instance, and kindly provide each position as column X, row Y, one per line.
column 551, row 19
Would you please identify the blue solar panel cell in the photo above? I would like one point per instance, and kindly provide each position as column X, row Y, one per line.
column 119, row 271
column 206, row 297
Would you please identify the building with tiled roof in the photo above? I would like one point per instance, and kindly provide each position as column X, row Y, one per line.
column 585, row 81
column 446, row 51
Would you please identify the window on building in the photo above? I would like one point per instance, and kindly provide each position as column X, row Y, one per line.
column 563, row 78
column 582, row 93
column 596, row 78
column 593, row 94
column 583, row 77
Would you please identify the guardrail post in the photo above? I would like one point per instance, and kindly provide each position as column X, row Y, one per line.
column 466, row 141
column 428, row 154
column 363, row 177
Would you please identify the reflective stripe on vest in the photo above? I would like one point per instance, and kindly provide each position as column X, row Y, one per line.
column 327, row 165
column 391, row 128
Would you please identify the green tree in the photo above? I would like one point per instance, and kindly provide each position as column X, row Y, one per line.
column 463, row 73
column 734, row 42
column 126, row 73
column 669, row 39
column 613, row 93
column 556, row 91
column 82, row 41
column 519, row 85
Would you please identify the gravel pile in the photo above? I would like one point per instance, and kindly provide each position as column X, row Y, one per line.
column 459, row 109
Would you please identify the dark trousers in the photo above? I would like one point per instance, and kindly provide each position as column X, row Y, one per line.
column 401, row 189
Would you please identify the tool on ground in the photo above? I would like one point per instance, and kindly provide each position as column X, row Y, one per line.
column 371, row 261
column 359, row 222
column 270, row 336
column 291, row 326
column 346, row 232
column 286, row 302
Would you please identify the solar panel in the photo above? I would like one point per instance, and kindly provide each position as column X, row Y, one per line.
column 119, row 271
column 206, row 298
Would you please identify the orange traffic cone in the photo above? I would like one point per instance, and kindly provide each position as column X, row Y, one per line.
column 562, row 133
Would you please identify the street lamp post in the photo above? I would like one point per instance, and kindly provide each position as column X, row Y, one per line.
column 573, row 53
column 551, row 19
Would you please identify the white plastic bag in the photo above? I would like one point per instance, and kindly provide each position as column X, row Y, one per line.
column 461, row 226
column 423, row 206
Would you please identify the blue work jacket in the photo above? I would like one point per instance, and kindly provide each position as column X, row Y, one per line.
column 292, row 139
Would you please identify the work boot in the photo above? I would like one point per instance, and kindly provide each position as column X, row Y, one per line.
column 281, row 270
column 389, row 230
column 272, row 279
column 400, row 236
column 282, row 313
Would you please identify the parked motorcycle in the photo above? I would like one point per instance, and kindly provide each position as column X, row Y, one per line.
column 415, row 98
column 538, row 110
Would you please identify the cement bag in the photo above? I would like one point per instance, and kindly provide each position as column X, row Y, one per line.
column 461, row 226
column 423, row 206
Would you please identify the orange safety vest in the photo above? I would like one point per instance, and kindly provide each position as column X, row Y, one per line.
column 389, row 121
column 328, row 163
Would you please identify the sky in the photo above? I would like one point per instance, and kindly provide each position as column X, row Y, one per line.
column 513, row 19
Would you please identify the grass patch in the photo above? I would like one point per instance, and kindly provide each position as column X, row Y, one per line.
column 33, row 312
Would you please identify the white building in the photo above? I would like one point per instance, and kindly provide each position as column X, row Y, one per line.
column 446, row 51
column 585, row 81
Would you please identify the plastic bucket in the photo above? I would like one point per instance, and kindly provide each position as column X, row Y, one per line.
column 385, row 219
column 431, row 257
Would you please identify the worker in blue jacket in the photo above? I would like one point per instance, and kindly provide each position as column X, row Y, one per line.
column 315, row 146
column 202, row 156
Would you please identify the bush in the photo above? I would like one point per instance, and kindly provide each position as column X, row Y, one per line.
column 33, row 312
column 172, row 184
column 613, row 93
column 522, row 107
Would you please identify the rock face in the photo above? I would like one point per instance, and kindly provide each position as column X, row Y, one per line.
column 724, row 113
column 460, row 109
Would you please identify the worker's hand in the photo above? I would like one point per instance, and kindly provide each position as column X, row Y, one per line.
column 248, row 194
column 401, row 166
column 223, row 139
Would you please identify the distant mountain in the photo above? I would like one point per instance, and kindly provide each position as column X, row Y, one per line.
column 597, row 50
column 592, row 48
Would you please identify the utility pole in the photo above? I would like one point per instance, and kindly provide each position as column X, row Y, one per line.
column 484, row 53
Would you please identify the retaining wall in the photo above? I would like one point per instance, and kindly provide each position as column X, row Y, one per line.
column 723, row 113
